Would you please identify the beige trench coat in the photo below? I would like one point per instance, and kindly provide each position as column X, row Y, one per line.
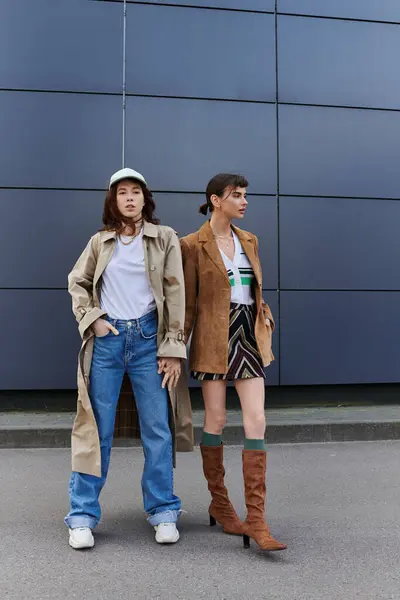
column 164, row 270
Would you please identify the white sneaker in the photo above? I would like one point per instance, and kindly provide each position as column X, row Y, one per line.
column 166, row 533
column 80, row 538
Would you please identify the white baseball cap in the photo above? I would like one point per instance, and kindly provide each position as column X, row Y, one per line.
column 126, row 174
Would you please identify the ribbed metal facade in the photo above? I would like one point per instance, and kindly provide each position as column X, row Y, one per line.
column 302, row 96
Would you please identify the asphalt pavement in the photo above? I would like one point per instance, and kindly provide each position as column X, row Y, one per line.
column 336, row 505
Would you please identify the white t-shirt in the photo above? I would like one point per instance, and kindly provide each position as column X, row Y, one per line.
column 240, row 273
column 125, row 290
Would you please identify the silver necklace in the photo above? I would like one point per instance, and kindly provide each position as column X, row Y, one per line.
column 132, row 237
column 225, row 245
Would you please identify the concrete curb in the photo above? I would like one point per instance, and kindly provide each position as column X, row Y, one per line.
column 285, row 426
column 321, row 432
column 47, row 438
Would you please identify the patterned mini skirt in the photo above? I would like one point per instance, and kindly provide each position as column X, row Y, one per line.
column 244, row 360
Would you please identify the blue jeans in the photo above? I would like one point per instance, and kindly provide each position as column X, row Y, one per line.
column 133, row 351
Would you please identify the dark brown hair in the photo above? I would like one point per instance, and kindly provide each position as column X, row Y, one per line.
column 218, row 184
column 113, row 219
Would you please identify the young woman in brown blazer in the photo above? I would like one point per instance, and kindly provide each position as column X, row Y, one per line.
column 231, row 328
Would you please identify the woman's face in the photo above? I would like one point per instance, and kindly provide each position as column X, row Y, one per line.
column 232, row 203
column 130, row 199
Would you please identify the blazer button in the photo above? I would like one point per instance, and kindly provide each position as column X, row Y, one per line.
column 152, row 268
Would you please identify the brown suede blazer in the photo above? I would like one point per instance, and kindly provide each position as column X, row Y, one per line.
column 208, row 294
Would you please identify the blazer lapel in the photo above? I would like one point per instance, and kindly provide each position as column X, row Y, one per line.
column 213, row 252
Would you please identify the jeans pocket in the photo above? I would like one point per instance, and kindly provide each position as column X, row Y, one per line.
column 148, row 330
column 102, row 337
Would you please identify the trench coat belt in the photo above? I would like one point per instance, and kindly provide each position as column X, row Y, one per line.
column 175, row 336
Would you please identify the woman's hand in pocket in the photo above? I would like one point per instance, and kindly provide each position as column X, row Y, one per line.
column 171, row 367
column 101, row 328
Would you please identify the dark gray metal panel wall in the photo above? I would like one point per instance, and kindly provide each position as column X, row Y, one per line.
column 179, row 143
column 339, row 243
column 247, row 5
column 53, row 134
column 61, row 45
column 58, row 140
column 189, row 64
column 314, row 68
column 339, row 337
column 59, row 220
column 41, row 340
column 339, row 152
column 201, row 98
column 376, row 10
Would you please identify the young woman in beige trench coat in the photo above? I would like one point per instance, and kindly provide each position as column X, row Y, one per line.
column 231, row 329
column 127, row 293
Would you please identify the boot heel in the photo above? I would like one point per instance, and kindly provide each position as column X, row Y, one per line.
column 246, row 541
column 213, row 522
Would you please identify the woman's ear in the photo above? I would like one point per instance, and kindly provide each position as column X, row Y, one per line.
column 216, row 201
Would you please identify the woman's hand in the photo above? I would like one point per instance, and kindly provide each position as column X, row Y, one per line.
column 101, row 328
column 171, row 367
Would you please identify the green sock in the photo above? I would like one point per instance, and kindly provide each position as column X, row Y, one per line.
column 211, row 439
column 254, row 444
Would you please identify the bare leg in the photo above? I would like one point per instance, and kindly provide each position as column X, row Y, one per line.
column 214, row 396
column 252, row 397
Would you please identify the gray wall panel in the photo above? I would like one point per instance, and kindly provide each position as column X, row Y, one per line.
column 258, row 5
column 337, row 165
column 187, row 66
column 315, row 69
column 59, row 140
column 63, row 223
column 339, row 337
column 180, row 211
column 328, row 243
column 72, row 45
column 380, row 10
column 42, row 340
column 180, row 144
column 339, row 152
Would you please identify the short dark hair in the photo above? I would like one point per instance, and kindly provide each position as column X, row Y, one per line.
column 218, row 184
column 112, row 218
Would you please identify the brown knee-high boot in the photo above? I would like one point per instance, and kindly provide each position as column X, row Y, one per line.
column 220, row 509
column 255, row 526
